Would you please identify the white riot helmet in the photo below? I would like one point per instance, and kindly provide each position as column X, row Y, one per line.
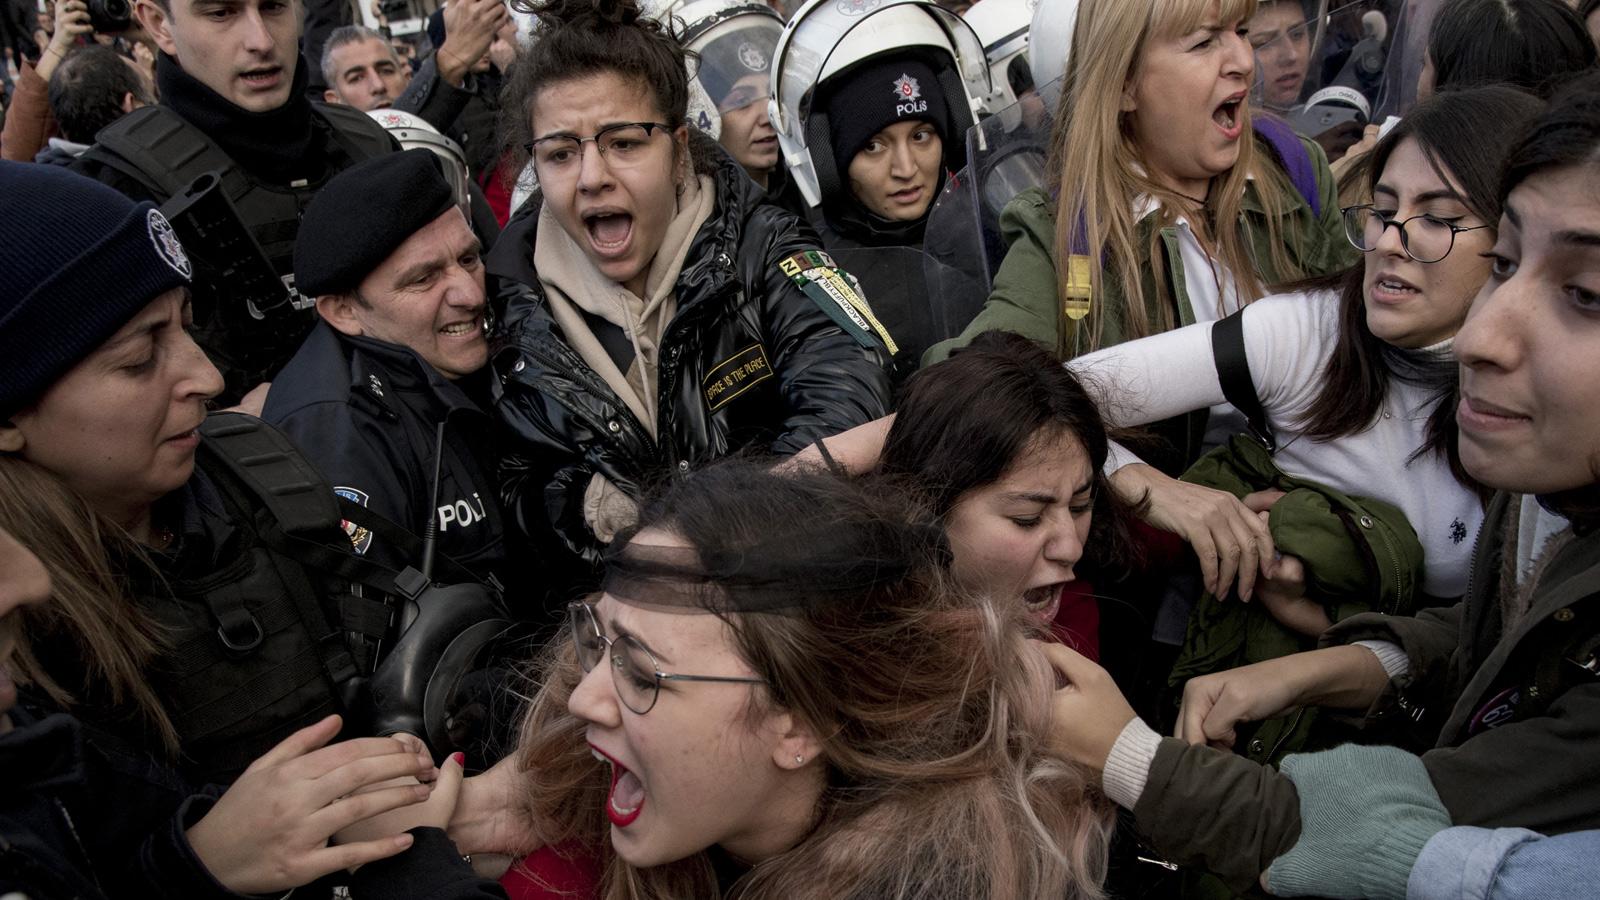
column 828, row 38
column 1050, row 45
column 735, row 41
column 411, row 132
column 1002, row 26
column 702, row 112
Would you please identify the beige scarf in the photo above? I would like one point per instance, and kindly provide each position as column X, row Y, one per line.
column 572, row 282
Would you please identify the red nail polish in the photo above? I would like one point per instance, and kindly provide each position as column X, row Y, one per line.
column 460, row 758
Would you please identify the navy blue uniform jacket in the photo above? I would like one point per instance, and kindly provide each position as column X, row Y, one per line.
column 364, row 412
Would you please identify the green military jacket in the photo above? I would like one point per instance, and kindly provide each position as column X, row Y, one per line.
column 1023, row 297
column 1360, row 555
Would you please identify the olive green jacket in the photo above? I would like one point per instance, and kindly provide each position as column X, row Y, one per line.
column 1513, row 714
column 1360, row 555
column 1023, row 297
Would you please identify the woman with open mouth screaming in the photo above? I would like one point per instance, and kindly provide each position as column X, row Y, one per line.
column 1167, row 201
column 1009, row 447
column 661, row 314
column 760, row 703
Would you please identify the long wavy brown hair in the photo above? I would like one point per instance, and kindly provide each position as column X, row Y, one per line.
column 932, row 708
column 90, row 619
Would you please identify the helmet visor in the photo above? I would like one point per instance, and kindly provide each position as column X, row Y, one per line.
column 736, row 63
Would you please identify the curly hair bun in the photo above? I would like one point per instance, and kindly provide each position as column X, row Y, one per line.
column 589, row 13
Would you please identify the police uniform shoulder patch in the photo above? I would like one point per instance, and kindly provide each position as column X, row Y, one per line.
column 837, row 293
column 360, row 538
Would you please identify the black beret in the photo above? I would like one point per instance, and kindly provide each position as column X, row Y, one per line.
column 362, row 214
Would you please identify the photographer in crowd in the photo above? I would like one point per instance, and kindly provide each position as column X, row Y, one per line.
column 93, row 88
column 28, row 122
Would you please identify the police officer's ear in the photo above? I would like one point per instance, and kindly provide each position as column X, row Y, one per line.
column 11, row 440
column 331, row 96
column 157, row 21
column 341, row 311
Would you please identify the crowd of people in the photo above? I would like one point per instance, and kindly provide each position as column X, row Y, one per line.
column 871, row 449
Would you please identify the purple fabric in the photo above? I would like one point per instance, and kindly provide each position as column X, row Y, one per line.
column 1294, row 158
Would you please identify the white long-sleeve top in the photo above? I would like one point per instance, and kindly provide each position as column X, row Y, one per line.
column 1288, row 339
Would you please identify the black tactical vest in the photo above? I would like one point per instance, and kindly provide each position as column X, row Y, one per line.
column 285, row 628
column 248, row 316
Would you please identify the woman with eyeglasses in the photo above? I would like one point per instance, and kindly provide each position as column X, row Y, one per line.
column 660, row 314
column 1355, row 376
column 1503, row 687
column 762, row 703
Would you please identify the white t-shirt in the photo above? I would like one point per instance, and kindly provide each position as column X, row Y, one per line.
column 1213, row 294
column 1288, row 339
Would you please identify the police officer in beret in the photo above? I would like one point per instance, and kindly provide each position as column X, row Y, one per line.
column 400, row 349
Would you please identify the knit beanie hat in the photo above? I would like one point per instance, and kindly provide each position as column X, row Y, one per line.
column 365, row 213
column 79, row 260
column 881, row 93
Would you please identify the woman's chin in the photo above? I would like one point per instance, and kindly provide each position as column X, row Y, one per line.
column 638, row 853
column 623, row 271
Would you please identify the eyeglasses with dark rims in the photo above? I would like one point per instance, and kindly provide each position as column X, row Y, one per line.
column 1425, row 238
column 622, row 145
column 634, row 669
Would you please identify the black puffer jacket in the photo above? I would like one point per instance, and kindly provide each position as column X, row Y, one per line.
column 750, row 361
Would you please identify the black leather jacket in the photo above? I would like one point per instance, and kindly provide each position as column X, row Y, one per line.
column 804, row 377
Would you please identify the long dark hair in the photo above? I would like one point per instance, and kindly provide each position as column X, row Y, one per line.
column 1568, row 134
column 579, row 38
column 965, row 422
column 1465, row 136
column 1531, row 44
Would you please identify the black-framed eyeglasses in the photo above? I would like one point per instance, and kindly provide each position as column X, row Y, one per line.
column 621, row 145
column 634, row 669
column 1425, row 238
